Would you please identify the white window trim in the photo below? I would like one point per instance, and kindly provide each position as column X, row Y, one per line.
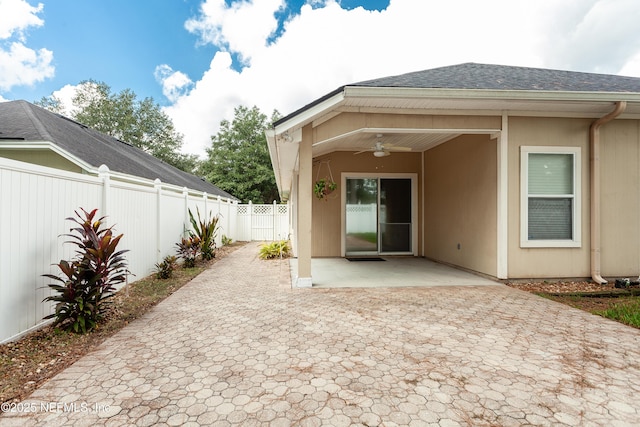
column 576, row 242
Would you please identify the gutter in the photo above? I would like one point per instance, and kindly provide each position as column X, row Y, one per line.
column 594, row 141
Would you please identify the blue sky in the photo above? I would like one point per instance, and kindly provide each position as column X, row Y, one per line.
column 121, row 42
column 199, row 59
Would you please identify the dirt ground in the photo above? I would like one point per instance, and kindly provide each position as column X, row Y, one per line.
column 594, row 296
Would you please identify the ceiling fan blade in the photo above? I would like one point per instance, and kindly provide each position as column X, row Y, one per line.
column 393, row 148
column 363, row 151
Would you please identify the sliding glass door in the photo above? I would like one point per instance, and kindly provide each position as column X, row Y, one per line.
column 378, row 216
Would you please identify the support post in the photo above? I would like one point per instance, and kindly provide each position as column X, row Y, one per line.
column 305, row 203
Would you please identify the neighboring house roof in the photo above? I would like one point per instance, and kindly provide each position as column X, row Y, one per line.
column 23, row 121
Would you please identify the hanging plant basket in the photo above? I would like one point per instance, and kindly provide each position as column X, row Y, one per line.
column 322, row 187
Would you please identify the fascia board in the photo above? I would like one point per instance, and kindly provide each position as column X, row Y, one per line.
column 307, row 116
column 526, row 95
column 272, row 145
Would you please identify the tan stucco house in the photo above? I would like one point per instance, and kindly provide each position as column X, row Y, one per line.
column 510, row 172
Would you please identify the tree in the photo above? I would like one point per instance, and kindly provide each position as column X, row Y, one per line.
column 238, row 160
column 139, row 123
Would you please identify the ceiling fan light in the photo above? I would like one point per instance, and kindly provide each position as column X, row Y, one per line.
column 379, row 153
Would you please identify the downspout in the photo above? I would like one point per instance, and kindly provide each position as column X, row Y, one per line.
column 594, row 141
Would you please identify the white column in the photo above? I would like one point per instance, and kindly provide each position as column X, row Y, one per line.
column 502, row 268
column 305, row 202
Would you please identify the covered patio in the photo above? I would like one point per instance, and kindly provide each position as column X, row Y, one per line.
column 393, row 272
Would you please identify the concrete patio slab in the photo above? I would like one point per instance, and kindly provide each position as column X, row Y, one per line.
column 390, row 273
column 238, row 346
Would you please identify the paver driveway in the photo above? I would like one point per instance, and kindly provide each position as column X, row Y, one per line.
column 238, row 347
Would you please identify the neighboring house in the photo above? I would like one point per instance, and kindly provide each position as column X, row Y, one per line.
column 511, row 172
column 33, row 134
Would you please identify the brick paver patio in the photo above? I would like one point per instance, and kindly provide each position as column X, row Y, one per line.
column 237, row 346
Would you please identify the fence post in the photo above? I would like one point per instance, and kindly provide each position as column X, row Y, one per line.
column 275, row 221
column 103, row 173
column 158, row 186
column 250, row 221
column 185, row 224
column 205, row 196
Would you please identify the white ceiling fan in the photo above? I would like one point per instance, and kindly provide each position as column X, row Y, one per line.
column 382, row 150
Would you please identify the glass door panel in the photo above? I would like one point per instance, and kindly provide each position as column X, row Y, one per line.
column 361, row 216
column 395, row 215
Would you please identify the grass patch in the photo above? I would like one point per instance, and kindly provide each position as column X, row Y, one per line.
column 626, row 311
column 618, row 306
column 371, row 237
column 33, row 359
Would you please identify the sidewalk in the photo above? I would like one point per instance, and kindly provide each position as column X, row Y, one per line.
column 238, row 346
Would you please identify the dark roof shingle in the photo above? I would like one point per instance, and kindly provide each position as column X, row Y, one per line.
column 502, row 77
column 21, row 120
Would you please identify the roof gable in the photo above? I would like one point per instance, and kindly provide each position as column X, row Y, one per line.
column 21, row 120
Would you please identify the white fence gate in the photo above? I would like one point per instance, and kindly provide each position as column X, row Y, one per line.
column 263, row 222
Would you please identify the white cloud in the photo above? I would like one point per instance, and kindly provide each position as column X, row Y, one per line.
column 65, row 95
column 594, row 35
column 174, row 83
column 17, row 16
column 326, row 46
column 243, row 27
column 19, row 64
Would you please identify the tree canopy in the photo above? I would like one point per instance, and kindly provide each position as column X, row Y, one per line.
column 238, row 160
column 121, row 115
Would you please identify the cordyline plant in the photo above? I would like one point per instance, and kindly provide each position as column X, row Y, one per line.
column 90, row 278
column 188, row 250
column 206, row 231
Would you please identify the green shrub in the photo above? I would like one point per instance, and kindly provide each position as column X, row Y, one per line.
column 188, row 250
column 278, row 249
column 164, row 269
column 207, row 232
column 226, row 240
column 90, row 278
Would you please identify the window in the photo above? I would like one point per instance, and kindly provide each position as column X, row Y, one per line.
column 550, row 197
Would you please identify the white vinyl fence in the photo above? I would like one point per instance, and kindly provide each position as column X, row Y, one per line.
column 35, row 200
column 362, row 218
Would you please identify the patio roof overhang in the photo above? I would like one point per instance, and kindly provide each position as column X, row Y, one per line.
column 284, row 138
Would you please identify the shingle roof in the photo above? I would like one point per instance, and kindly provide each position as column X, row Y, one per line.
column 493, row 77
column 501, row 77
column 21, row 120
